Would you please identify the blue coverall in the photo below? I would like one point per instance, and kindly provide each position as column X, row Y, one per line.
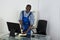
column 27, row 21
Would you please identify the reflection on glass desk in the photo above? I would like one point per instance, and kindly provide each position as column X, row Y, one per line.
column 19, row 37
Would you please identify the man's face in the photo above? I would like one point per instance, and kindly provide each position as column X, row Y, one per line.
column 28, row 9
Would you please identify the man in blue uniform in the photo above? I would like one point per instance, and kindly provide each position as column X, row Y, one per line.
column 27, row 20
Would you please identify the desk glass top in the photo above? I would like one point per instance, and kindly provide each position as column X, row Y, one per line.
column 36, row 37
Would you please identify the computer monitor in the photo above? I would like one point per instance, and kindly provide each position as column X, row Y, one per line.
column 13, row 28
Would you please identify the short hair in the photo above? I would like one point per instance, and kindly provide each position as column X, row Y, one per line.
column 28, row 5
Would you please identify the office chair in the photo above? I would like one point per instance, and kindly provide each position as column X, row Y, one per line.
column 41, row 27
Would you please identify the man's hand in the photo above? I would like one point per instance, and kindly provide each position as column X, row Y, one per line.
column 30, row 27
column 24, row 33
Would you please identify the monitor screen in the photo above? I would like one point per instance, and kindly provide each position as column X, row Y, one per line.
column 14, row 26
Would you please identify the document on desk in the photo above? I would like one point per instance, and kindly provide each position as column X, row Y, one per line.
column 22, row 34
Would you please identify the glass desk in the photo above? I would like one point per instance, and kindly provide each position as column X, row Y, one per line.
column 36, row 37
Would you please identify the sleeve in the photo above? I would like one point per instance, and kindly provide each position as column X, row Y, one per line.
column 20, row 17
column 32, row 19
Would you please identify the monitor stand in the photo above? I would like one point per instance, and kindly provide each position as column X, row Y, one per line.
column 12, row 33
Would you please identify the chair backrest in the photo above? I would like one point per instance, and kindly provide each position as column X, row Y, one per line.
column 41, row 27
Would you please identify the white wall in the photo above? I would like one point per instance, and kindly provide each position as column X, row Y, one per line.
column 49, row 10
column 59, row 19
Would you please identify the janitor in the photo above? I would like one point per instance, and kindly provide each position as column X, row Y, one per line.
column 27, row 20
